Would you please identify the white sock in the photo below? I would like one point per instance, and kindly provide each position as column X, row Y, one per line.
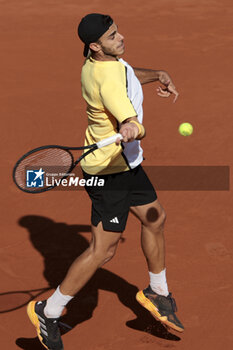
column 56, row 304
column 158, row 283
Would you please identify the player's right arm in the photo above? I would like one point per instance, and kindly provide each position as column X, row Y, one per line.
column 131, row 130
column 113, row 91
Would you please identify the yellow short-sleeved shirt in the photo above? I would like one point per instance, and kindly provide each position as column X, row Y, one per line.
column 104, row 88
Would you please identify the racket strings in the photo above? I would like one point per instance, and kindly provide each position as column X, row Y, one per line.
column 52, row 160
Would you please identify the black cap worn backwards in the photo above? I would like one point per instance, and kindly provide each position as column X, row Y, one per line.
column 92, row 27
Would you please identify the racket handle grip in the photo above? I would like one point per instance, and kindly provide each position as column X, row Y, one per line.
column 109, row 140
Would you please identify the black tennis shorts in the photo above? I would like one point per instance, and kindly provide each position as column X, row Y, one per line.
column 111, row 202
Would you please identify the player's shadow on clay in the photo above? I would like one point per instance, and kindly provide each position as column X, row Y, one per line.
column 60, row 244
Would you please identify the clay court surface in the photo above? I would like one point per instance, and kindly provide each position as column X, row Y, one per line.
column 41, row 103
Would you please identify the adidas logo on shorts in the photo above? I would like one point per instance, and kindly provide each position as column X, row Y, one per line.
column 115, row 220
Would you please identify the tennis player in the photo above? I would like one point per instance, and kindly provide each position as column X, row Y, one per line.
column 113, row 93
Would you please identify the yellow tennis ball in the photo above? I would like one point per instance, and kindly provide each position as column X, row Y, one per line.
column 186, row 129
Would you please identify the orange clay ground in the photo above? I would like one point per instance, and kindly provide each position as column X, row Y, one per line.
column 41, row 103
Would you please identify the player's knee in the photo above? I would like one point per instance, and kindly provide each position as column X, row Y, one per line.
column 162, row 217
column 110, row 253
column 105, row 255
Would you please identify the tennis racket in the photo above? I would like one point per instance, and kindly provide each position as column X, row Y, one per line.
column 29, row 170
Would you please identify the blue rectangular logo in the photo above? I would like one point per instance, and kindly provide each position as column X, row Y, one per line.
column 35, row 178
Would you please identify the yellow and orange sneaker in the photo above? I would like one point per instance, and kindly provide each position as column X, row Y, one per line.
column 47, row 328
column 162, row 308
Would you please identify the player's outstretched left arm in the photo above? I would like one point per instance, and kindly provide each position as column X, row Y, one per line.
column 146, row 76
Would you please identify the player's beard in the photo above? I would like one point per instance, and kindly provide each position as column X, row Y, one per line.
column 113, row 52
